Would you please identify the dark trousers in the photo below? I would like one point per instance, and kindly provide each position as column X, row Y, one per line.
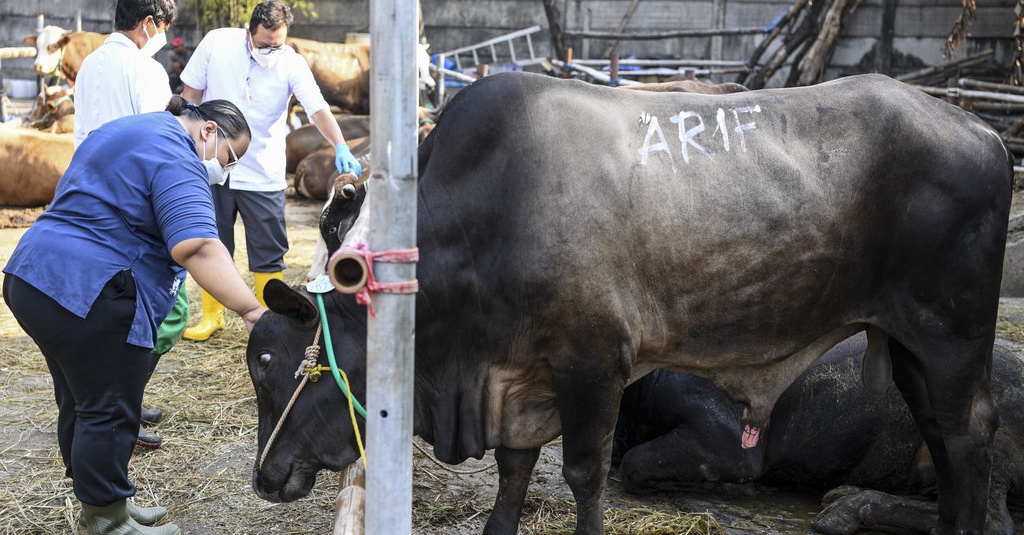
column 98, row 381
column 266, row 237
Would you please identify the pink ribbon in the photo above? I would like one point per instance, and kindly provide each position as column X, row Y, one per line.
column 400, row 256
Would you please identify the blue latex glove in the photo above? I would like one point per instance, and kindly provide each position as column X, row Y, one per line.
column 345, row 161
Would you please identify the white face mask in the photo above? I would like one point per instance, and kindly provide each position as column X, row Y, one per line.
column 214, row 171
column 155, row 43
column 266, row 61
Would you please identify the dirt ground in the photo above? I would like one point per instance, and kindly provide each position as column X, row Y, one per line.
column 202, row 473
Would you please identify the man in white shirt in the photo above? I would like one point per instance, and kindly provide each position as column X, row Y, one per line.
column 255, row 70
column 121, row 78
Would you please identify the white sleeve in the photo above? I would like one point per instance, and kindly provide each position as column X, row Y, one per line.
column 155, row 88
column 304, row 86
column 195, row 73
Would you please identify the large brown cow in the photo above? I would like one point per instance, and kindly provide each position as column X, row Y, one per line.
column 33, row 162
column 60, row 52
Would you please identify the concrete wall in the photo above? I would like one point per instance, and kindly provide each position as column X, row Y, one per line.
column 921, row 26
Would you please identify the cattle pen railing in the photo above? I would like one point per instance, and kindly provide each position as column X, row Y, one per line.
column 10, row 52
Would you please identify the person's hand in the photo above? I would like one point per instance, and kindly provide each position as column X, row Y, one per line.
column 345, row 161
column 251, row 317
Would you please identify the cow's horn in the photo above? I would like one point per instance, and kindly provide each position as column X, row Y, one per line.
column 348, row 272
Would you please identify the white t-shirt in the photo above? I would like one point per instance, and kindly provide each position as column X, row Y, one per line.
column 222, row 67
column 116, row 80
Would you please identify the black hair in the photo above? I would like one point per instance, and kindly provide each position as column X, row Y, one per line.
column 227, row 116
column 271, row 15
column 129, row 13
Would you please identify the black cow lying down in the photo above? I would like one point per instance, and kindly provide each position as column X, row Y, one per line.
column 575, row 237
column 676, row 432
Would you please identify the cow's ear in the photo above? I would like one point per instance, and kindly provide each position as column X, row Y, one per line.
column 30, row 40
column 287, row 301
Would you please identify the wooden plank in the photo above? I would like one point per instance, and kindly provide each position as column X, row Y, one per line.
column 666, row 35
column 17, row 52
column 350, row 505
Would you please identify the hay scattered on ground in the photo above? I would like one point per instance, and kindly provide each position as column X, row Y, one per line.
column 1010, row 331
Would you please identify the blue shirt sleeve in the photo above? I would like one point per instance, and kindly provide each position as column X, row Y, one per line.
column 183, row 203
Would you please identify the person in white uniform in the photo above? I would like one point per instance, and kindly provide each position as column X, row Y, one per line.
column 254, row 69
column 118, row 79
column 121, row 77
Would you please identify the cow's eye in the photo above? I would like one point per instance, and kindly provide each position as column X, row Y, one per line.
column 332, row 230
column 265, row 359
column 348, row 191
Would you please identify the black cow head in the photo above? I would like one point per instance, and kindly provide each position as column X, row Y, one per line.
column 317, row 433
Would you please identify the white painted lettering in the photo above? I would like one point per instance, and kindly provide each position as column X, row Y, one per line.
column 686, row 136
column 743, row 127
column 720, row 117
column 692, row 132
column 654, row 130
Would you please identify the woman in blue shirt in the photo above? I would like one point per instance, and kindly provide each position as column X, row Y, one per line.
column 95, row 275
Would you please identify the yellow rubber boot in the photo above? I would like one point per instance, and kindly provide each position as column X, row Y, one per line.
column 260, row 279
column 211, row 322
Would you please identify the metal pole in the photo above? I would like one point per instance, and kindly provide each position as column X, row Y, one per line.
column 40, row 24
column 393, row 98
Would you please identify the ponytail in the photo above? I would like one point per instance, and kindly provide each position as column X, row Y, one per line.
column 227, row 116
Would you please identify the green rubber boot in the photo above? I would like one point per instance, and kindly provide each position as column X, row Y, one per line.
column 147, row 516
column 115, row 519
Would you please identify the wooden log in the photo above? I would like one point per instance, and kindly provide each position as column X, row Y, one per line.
column 350, row 505
column 813, row 66
column 795, row 41
column 9, row 52
column 991, row 86
column 948, row 66
column 555, row 20
column 957, row 93
column 883, row 58
column 622, row 26
column 779, row 25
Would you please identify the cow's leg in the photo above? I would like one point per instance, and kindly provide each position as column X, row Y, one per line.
column 957, row 428
column 588, row 406
column 875, row 510
column 514, row 470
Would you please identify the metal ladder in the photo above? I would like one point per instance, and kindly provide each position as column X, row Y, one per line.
column 492, row 45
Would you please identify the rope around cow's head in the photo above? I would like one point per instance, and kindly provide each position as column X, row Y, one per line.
column 312, row 371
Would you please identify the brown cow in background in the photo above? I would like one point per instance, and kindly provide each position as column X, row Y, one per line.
column 33, row 162
column 54, row 110
column 60, row 52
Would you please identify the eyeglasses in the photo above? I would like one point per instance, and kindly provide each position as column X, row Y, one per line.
column 234, row 157
column 268, row 50
column 233, row 160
